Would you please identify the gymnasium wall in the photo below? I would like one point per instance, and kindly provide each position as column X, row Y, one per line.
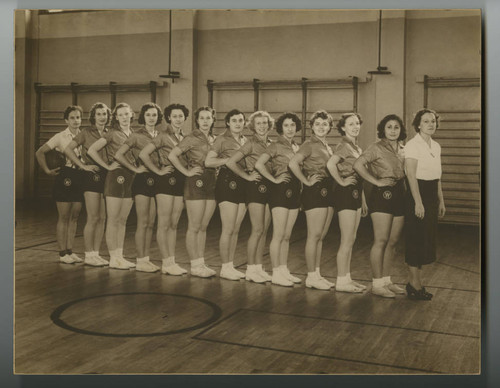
column 132, row 47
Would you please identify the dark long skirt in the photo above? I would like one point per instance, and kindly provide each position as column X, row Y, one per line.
column 421, row 233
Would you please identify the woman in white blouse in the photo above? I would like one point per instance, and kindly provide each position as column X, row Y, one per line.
column 425, row 200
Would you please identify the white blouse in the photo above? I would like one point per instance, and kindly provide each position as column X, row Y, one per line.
column 428, row 158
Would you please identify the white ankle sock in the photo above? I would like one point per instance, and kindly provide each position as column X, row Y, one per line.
column 88, row 255
column 378, row 282
column 227, row 266
column 259, row 267
column 168, row 261
column 341, row 280
column 313, row 275
column 386, row 279
column 197, row 262
column 349, row 279
column 114, row 254
column 144, row 259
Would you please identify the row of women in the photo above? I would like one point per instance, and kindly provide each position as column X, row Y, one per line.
column 110, row 167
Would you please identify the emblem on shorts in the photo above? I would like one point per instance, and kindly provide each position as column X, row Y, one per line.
column 172, row 181
column 150, row 181
column 120, row 179
column 289, row 193
column 262, row 189
column 96, row 178
column 324, row 192
column 67, row 182
column 387, row 194
column 199, row 183
column 355, row 194
column 233, row 185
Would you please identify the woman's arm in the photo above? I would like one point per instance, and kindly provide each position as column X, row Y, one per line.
column 145, row 156
column 411, row 173
column 294, row 165
column 233, row 165
column 261, row 167
column 364, row 206
column 212, row 160
column 442, row 208
column 40, row 157
column 173, row 156
column 120, row 158
column 360, row 167
column 70, row 153
column 93, row 152
column 334, row 171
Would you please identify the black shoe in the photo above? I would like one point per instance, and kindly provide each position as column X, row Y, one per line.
column 415, row 294
column 427, row 294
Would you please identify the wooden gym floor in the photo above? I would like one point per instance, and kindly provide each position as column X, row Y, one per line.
column 75, row 319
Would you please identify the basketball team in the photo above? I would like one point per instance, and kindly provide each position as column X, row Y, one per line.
column 109, row 166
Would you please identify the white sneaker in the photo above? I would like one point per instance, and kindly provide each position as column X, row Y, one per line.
column 76, row 258
column 238, row 273
column 358, row 284
column 118, row 263
column 129, row 263
column 93, row 261
column 103, row 261
column 264, row 274
column 348, row 287
column 286, row 273
column 254, row 276
column 173, row 269
column 146, row 266
column 383, row 292
column 202, row 271
column 394, row 288
column 328, row 283
column 280, row 280
column 66, row 259
column 227, row 273
column 317, row 283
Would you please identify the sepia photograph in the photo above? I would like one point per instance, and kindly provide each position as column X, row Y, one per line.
column 248, row 191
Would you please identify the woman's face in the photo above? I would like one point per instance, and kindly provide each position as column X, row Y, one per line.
column 352, row 126
column 177, row 118
column 428, row 124
column 205, row 120
column 261, row 125
column 289, row 128
column 151, row 117
column 74, row 119
column 123, row 115
column 321, row 127
column 392, row 130
column 236, row 123
column 101, row 116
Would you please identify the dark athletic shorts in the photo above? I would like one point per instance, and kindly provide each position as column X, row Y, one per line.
column 144, row 184
column 257, row 192
column 318, row 195
column 348, row 197
column 388, row 199
column 171, row 184
column 94, row 181
column 68, row 185
column 118, row 183
column 286, row 194
column 200, row 186
column 229, row 187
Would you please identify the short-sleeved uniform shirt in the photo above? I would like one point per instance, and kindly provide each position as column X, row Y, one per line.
column 280, row 153
column 384, row 161
column 114, row 140
column 195, row 147
column 61, row 140
column 429, row 158
column 85, row 139
column 136, row 142
column 164, row 143
column 316, row 154
column 225, row 146
column 348, row 152
column 252, row 150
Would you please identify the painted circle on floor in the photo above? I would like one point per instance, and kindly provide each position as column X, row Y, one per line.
column 135, row 314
